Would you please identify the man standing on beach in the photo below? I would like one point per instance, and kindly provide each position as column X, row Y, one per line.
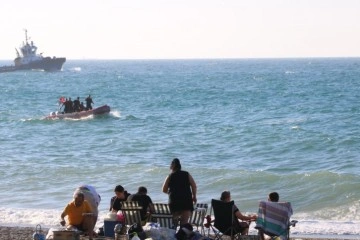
column 79, row 214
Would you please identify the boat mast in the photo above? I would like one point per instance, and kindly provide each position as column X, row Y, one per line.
column 26, row 37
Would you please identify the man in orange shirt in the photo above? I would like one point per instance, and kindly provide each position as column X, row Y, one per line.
column 79, row 215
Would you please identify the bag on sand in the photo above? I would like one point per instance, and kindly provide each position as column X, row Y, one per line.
column 186, row 233
column 136, row 227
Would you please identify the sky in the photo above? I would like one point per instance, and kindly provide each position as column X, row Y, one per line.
column 182, row 29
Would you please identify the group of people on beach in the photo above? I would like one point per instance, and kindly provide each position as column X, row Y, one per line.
column 75, row 106
column 181, row 188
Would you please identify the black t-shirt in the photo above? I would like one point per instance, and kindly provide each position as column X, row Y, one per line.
column 180, row 197
column 115, row 203
column 144, row 202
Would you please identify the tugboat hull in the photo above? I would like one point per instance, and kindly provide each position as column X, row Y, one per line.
column 46, row 64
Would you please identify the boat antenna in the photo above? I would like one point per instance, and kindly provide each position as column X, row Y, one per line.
column 26, row 37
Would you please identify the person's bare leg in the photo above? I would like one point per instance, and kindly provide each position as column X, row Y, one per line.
column 89, row 225
column 261, row 235
column 185, row 217
column 245, row 231
column 245, row 227
column 176, row 216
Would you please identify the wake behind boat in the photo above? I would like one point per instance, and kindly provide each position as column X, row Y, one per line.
column 28, row 59
column 77, row 115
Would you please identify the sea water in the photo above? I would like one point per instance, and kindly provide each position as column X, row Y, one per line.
column 250, row 126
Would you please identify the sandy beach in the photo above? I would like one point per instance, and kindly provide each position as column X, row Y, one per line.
column 26, row 233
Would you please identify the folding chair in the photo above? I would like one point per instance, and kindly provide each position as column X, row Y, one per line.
column 130, row 205
column 131, row 211
column 163, row 215
column 274, row 219
column 224, row 220
column 198, row 216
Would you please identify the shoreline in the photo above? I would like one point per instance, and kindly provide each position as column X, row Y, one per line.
column 26, row 233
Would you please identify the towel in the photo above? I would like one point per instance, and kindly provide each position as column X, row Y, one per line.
column 273, row 218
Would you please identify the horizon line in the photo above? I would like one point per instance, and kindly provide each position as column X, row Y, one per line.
column 200, row 58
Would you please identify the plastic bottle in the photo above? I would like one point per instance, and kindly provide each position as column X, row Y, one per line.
column 117, row 231
column 135, row 237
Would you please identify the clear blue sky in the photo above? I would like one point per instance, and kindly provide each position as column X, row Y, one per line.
column 158, row 29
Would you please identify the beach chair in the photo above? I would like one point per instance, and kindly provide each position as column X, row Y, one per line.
column 274, row 220
column 198, row 216
column 131, row 211
column 163, row 215
column 130, row 205
column 224, row 219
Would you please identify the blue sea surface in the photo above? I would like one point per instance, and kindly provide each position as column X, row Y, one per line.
column 250, row 126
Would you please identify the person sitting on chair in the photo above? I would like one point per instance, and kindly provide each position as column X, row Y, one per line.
column 273, row 197
column 240, row 226
column 120, row 195
column 144, row 201
column 79, row 214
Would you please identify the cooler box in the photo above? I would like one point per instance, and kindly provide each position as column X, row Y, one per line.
column 109, row 228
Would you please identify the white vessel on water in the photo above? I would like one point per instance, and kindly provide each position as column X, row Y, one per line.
column 28, row 59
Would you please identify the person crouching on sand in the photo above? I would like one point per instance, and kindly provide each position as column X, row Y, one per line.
column 79, row 215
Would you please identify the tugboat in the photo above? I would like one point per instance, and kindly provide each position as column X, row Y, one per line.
column 28, row 59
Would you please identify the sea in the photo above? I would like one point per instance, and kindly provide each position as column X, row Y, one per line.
column 250, row 126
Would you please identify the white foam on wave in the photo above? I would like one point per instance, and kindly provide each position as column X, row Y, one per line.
column 26, row 119
column 47, row 218
column 75, row 69
column 29, row 217
column 115, row 113
column 326, row 227
column 78, row 119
